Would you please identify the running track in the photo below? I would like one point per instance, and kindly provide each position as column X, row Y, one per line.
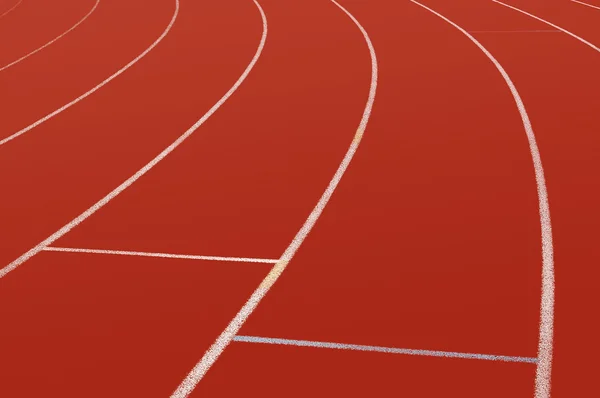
column 364, row 198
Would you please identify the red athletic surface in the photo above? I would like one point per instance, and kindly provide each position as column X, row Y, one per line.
column 431, row 241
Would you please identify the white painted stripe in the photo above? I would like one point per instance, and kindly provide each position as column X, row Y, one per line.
column 586, row 4
column 516, row 31
column 217, row 348
column 160, row 255
column 12, row 8
column 549, row 23
column 543, row 372
column 387, row 350
column 53, row 40
column 97, row 87
column 79, row 219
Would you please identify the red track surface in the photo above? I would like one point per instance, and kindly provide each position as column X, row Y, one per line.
column 431, row 241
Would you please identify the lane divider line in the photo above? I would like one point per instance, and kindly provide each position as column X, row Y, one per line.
column 387, row 350
column 12, row 8
column 98, row 86
column 217, row 348
column 127, row 183
column 586, row 4
column 159, row 255
column 549, row 23
column 546, row 331
column 53, row 40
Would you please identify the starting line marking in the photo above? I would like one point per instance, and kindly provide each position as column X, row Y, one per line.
column 160, row 255
column 517, row 31
column 388, row 350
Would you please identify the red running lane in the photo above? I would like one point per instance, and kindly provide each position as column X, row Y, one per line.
column 124, row 335
column 7, row 6
column 35, row 22
column 78, row 325
column 245, row 184
column 276, row 371
column 559, row 82
column 431, row 241
column 576, row 18
column 249, row 136
column 75, row 159
column 99, row 47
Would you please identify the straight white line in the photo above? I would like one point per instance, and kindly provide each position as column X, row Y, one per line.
column 160, row 255
column 53, row 40
column 516, row 31
column 546, row 332
column 387, row 350
column 12, row 8
column 114, row 193
column 97, row 87
column 217, row 348
column 586, row 4
column 551, row 24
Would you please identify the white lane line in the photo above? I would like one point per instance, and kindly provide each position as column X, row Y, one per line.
column 546, row 332
column 53, row 40
column 127, row 183
column 12, row 8
column 586, row 4
column 387, row 350
column 159, row 255
column 217, row 348
column 97, row 87
column 516, row 31
column 551, row 24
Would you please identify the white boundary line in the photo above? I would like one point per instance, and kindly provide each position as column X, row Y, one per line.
column 549, row 23
column 217, row 348
column 12, row 8
column 546, row 332
column 586, row 4
column 114, row 193
column 53, row 40
column 97, row 87
column 387, row 350
column 159, row 255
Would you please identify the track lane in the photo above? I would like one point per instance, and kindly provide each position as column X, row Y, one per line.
column 54, row 40
column 327, row 39
column 78, row 325
column 402, row 250
column 302, row 372
column 34, row 23
column 102, row 142
column 101, row 46
column 580, row 20
column 5, row 11
column 247, row 183
column 559, row 82
column 113, row 335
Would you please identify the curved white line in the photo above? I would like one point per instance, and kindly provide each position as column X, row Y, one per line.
column 53, row 40
column 544, row 367
column 551, row 24
column 586, row 4
column 114, row 193
column 99, row 86
column 217, row 348
column 12, row 8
